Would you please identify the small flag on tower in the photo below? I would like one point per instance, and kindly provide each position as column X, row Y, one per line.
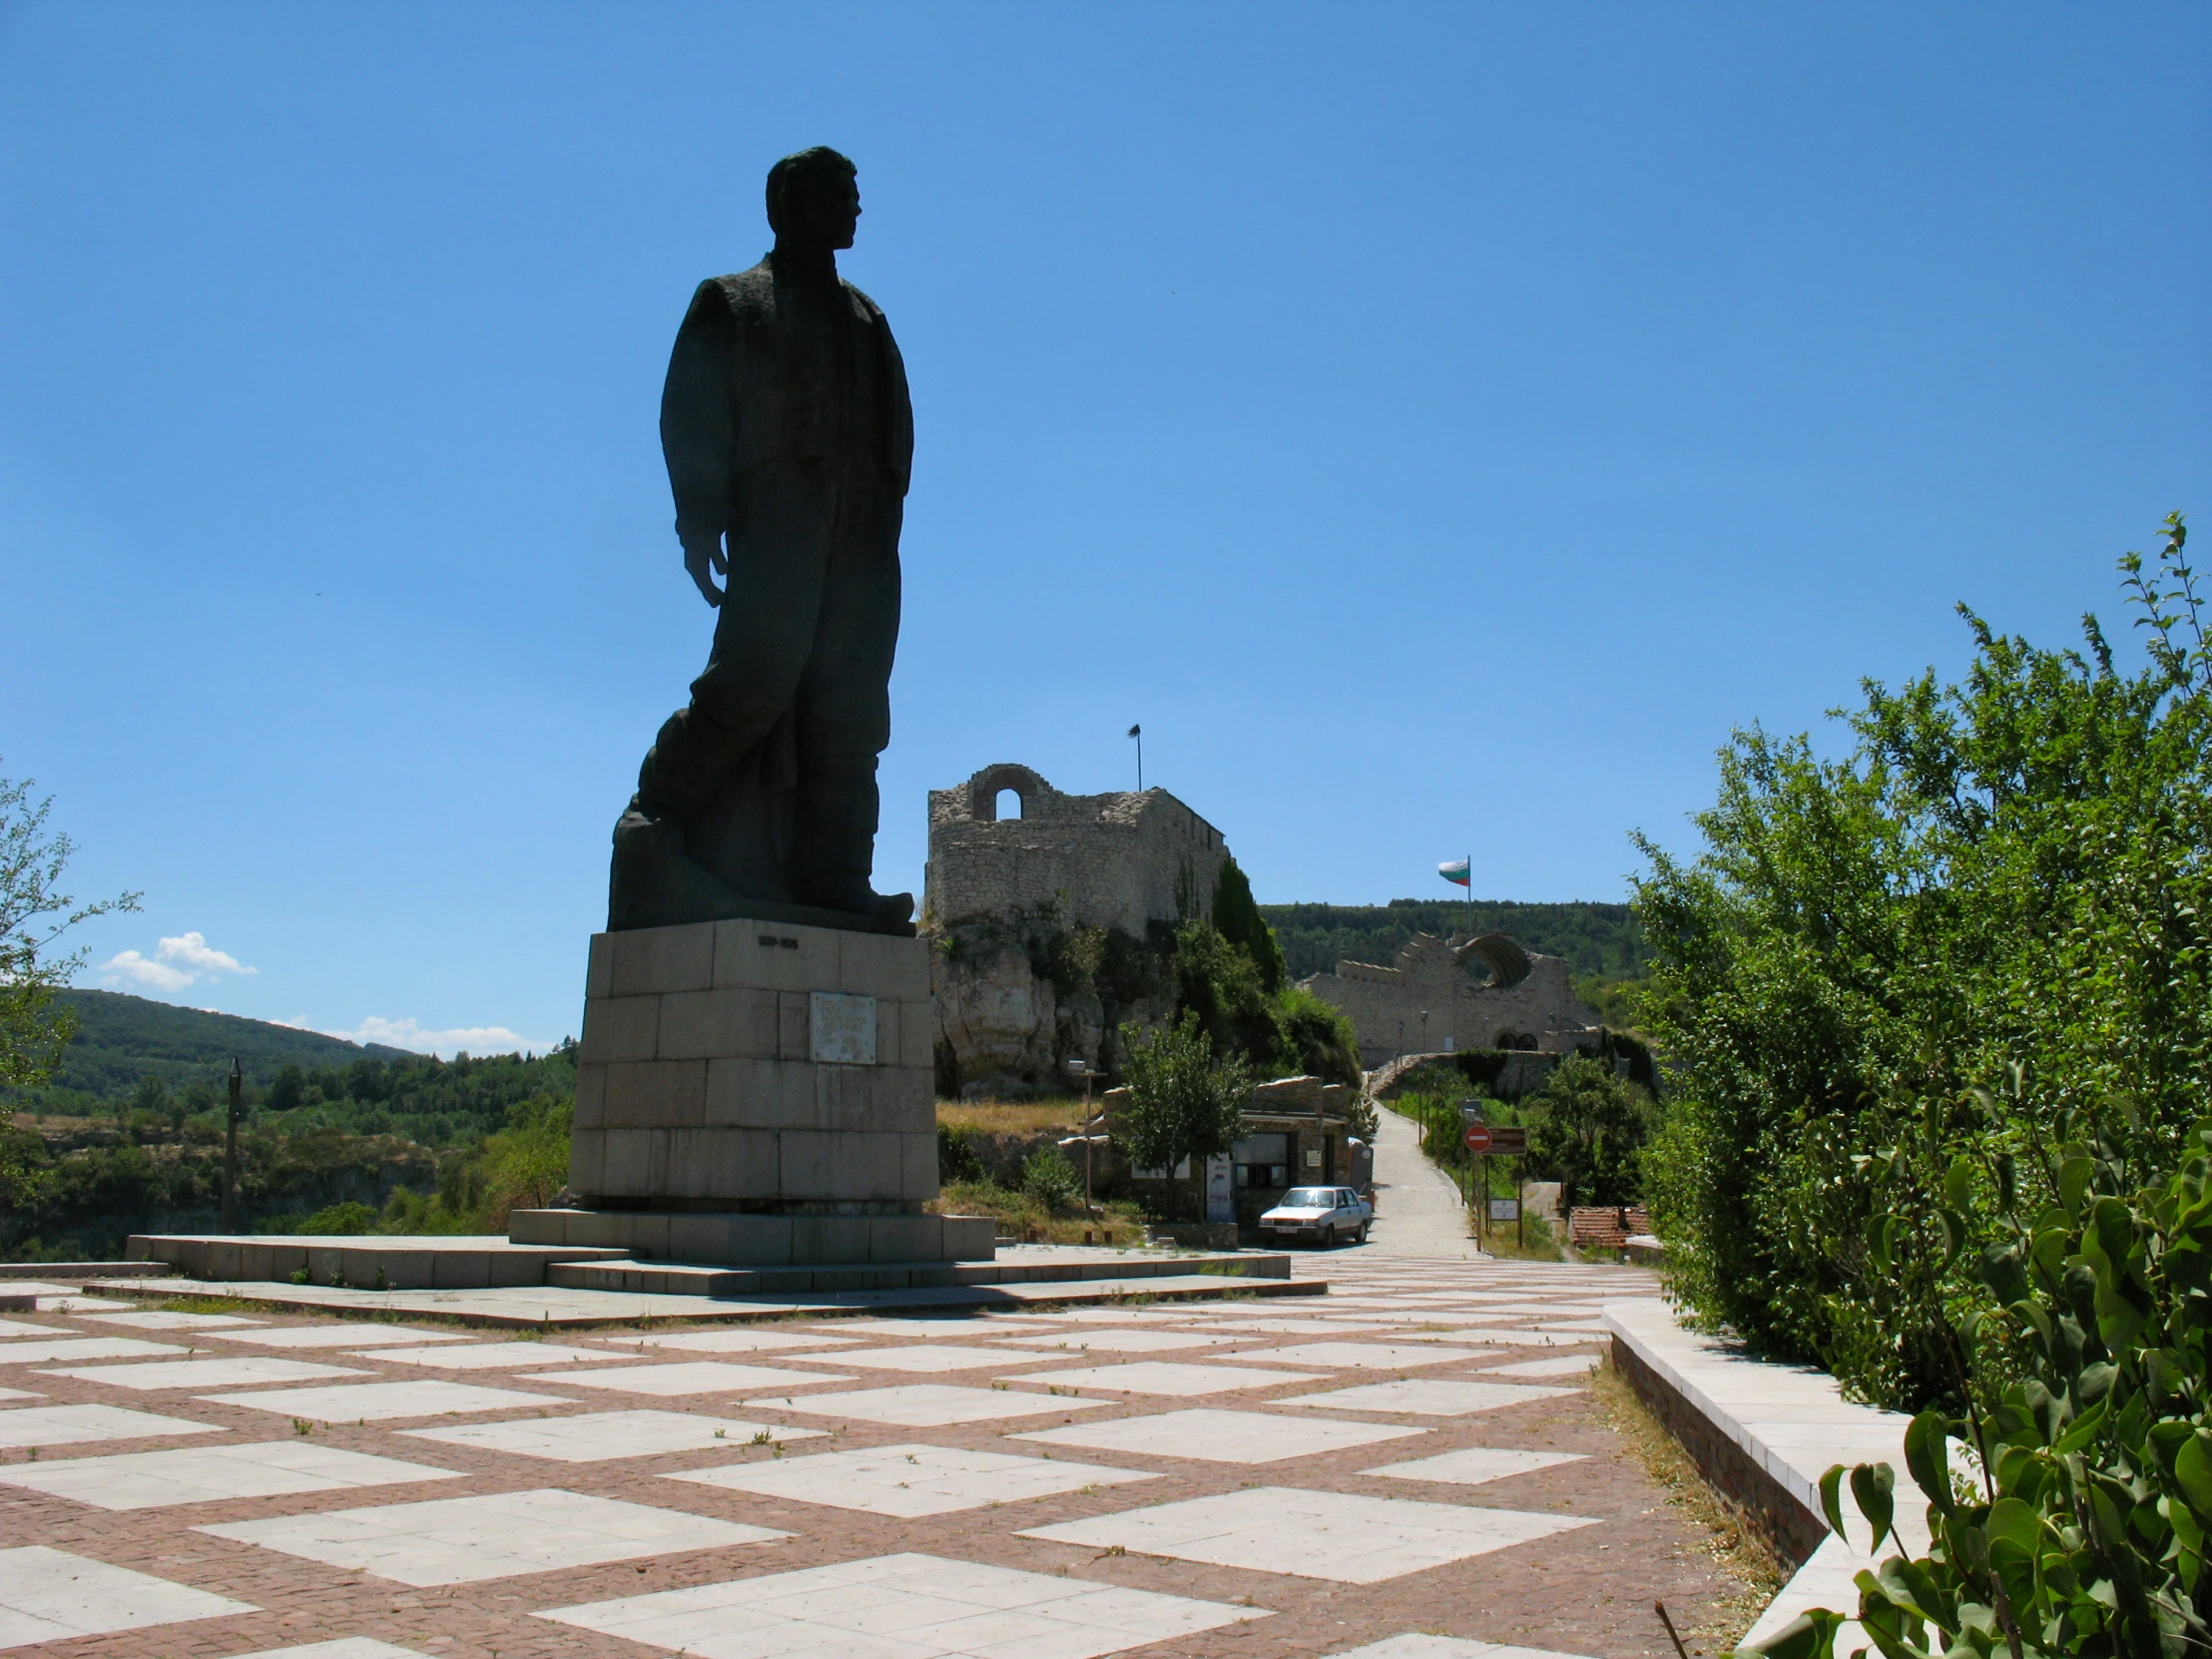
column 1456, row 872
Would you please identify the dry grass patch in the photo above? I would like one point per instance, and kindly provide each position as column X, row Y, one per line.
column 1010, row 1117
column 1746, row 1560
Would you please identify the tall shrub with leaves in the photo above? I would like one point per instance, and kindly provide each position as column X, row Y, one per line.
column 2014, row 870
column 1587, row 1130
column 1184, row 1100
column 2082, row 1362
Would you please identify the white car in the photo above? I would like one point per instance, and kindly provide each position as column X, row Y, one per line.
column 1326, row 1215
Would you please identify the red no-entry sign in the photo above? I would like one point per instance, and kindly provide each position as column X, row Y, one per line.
column 1478, row 1137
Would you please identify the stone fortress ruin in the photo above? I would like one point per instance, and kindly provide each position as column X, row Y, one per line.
column 1048, row 912
column 1443, row 996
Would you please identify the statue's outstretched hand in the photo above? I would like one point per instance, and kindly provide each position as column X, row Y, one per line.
column 703, row 558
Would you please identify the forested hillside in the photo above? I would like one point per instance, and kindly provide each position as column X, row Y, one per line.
column 121, row 1040
column 1599, row 941
column 129, row 1139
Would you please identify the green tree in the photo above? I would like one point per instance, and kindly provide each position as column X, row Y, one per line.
column 34, row 914
column 1237, row 919
column 1184, row 1100
column 1218, row 984
column 1317, row 1038
column 2014, row 870
column 1587, row 1130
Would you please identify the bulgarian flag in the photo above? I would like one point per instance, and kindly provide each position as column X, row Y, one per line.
column 1457, row 872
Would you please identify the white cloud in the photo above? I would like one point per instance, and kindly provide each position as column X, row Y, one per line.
column 176, row 963
column 407, row 1033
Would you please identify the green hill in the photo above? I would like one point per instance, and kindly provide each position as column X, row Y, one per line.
column 1599, row 941
column 121, row 1040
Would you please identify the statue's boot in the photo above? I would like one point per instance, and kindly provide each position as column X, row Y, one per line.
column 833, row 844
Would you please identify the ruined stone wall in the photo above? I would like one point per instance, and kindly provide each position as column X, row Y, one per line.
column 1429, row 995
column 1109, row 860
column 1005, row 898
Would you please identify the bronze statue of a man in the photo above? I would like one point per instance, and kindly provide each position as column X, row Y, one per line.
column 789, row 441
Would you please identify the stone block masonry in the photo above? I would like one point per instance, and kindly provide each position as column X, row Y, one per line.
column 737, row 1068
column 1119, row 859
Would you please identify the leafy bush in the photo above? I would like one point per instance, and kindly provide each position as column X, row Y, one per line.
column 1184, row 1102
column 1587, row 1129
column 2086, row 1535
column 1318, row 1039
column 2015, row 869
column 1238, row 922
column 1048, row 1177
column 335, row 1220
column 957, row 1159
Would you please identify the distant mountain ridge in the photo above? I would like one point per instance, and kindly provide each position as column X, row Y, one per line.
column 1597, row 940
column 121, row 1040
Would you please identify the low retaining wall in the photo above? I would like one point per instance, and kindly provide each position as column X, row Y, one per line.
column 1765, row 1435
column 454, row 1262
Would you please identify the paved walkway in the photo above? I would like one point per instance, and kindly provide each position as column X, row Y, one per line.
column 1407, row 1465
column 1417, row 1207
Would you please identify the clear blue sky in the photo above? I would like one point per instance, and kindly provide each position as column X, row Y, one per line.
column 1438, row 426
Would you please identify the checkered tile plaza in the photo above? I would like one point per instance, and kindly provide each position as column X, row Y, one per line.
column 1409, row 1467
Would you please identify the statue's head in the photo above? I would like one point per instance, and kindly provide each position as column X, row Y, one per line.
column 814, row 199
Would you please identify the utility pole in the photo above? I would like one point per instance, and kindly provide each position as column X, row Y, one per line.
column 231, row 1151
column 1137, row 732
column 1090, row 1136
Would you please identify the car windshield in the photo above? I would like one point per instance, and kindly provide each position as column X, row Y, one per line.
column 1310, row 1198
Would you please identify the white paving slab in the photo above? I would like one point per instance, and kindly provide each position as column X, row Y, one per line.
column 461, row 1541
column 74, row 1304
column 929, row 1404
column 1230, row 1327
column 491, row 1356
column 49, row 1595
column 910, row 1481
column 903, row 1608
column 20, row 1394
column 1165, row 1376
column 1118, row 1316
column 1334, row 1535
column 156, row 1319
column 1567, row 1365
column 212, row 1473
column 19, row 1327
column 43, row 1426
column 596, row 1436
column 737, row 1339
column 1216, row 1437
column 345, row 1647
column 1106, row 1340
column 952, row 1327
column 340, row 1336
column 1472, row 1465
column 926, row 1356
column 1418, row 1646
column 686, row 1377
column 1426, row 1396
column 374, row 1402
column 214, row 1373
column 1355, row 1356
column 83, row 1348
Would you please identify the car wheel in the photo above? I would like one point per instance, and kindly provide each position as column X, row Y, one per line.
column 1362, row 1235
column 1329, row 1237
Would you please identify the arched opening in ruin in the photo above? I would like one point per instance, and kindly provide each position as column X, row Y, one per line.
column 1006, row 805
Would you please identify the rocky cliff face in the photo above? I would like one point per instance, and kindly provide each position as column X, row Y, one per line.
column 1018, row 995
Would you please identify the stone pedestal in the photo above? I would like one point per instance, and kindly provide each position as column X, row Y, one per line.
column 757, row 1092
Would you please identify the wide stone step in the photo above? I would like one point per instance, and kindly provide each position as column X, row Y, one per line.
column 1260, row 1272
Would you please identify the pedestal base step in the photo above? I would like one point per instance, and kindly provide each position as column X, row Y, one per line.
column 1263, row 1274
column 760, row 1243
column 456, row 1262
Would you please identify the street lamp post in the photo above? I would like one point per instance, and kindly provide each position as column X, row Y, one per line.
column 1081, row 1068
column 231, row 1151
